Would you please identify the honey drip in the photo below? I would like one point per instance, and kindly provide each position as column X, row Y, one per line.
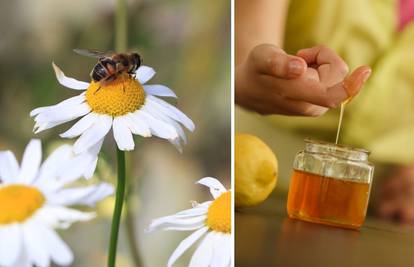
column 340, row 122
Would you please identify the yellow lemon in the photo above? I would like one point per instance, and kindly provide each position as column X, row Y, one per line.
column 256, row 170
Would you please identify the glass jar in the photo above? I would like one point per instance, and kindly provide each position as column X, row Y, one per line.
column 330, row 185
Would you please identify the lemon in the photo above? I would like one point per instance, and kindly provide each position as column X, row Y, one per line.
column 256, row 170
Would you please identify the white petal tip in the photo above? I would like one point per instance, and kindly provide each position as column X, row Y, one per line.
column 57, row 70
column 33, row 113
column 78, row 150
column 87, row 176
column 207, row 180
column 126, row 148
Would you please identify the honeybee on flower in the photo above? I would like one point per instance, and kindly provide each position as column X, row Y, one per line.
column 117, row 98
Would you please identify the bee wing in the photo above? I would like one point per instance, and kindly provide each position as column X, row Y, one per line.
column 92, row 53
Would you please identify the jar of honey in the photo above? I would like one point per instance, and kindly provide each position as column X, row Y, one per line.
column 330, row 185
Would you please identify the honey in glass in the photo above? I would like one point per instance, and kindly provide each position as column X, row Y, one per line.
column 330, row 185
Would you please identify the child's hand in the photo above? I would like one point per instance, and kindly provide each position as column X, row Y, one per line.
column 271, row 81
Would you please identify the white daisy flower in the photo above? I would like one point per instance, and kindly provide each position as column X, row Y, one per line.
column 125, row 105
column 211, row 219
column 34, row 201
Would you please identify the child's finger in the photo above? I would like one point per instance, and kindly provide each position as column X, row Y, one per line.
column 273, row 61
column 317, row 93
column 336, row 68
column 322, row 54
column 308, row 90
column 354, row 82
column 351, row 85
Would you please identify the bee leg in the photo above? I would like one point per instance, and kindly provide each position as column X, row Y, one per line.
column 123, row 88
column 97, row 90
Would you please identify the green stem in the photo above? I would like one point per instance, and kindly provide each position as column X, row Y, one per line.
column 116, row 219
column 121, row 45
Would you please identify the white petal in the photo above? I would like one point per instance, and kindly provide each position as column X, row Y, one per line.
column 73, row 101
column 179, row 130
column 201, row 205
column 186, row 244
column 10, row 244
column 81, row 126
column 185, row 228
column 73, row 168
column 137, row 124
column 123, row 135
column 22, row 261
column 158, row 127
column 61, row 217
column 94, row 134
column 95, row 149
column 221, row 250
column 78, row 165
column 174, row 223
column 53, row 162
column 59, row 251
column 159, row 90
column 197, row 211
column 51, row 167
column 9, row 168
column 32, row 158
column 69, row 82
column 156, row 111
column 59, row 115
column 40, row 127
column 63, row 113
column 93, row 153
column 216, row 188
column 173, row 112
column 37, row 111
column 153, row 109
column 34, row 243
column 177, row 144
column 90, row 169
column 144, row 74
column 204, row 253
column 87, row 195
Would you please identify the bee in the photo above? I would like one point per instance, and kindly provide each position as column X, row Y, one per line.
column 110, row 64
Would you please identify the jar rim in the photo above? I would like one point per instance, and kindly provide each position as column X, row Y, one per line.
column 336, row 149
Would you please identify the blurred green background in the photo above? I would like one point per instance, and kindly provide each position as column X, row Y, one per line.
column 187, row 43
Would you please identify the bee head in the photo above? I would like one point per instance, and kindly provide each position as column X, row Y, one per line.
column 137, row 59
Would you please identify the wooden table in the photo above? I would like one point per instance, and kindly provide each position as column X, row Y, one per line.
column 265, row 236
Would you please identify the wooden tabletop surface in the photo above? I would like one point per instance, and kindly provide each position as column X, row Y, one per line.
column 265, row 236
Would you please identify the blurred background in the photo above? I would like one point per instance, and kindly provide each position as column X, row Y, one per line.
column 187, row 43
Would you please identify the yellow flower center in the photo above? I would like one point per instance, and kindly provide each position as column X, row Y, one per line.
column 219, row 214
column 116, row 98
column 18, row 203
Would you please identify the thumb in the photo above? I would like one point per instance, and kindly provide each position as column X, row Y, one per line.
column 354, row 82
column 273, row 61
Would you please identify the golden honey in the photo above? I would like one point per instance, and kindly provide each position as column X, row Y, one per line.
column 327, row 200
column 330, row 185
